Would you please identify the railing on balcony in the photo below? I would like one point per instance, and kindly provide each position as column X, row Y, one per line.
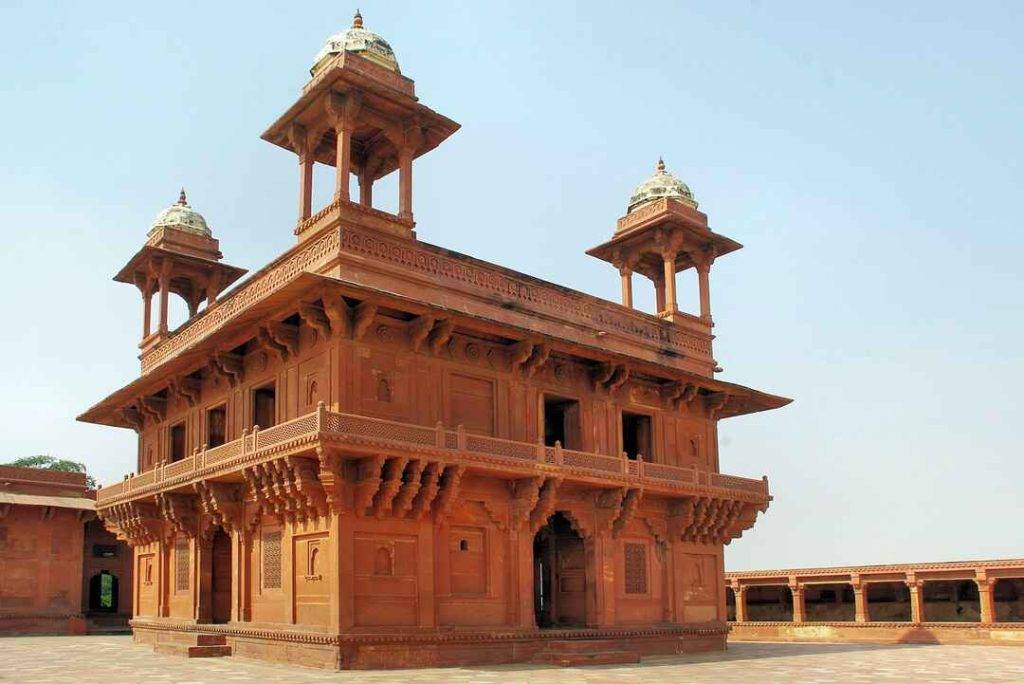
column 390, row 434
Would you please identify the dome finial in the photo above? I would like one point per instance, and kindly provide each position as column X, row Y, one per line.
column 357, row 20
column 181, row 198
column 660, row 168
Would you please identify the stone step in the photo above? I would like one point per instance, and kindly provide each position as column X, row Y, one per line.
column 581, row 652
column 190, row 651
column 195, row 639
column 583, row 645
column 585, row 659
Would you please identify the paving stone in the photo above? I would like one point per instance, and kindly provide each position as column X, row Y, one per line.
column 105, row 659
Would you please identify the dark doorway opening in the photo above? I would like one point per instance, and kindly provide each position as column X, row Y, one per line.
column 216, row 426
column 177, row 439
column 636, row 435
column 560, row 575
column 264, row 404
column 103, row 593
column 221, row 577
column 562, row 422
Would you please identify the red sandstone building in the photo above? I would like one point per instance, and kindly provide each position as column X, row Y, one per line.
column 60, row 570
column 376, row 452
column 953, row 602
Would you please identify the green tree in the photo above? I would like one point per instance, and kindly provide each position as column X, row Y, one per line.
column 45, row 462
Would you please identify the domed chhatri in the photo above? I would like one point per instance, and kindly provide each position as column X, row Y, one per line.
column 661, row 184
column 183, row 217
column 360, row 41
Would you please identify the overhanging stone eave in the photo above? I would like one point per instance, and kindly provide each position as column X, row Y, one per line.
column 124, row 275
column 104, row 412
column 439, row 126
column 307, row 284
column 606, row 251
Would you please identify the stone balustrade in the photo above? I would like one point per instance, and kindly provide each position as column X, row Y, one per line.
column 363, row 434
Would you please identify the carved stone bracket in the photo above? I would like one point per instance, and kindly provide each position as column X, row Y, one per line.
column 280, row 338
column 430, row 484
column 367, row 482
column 186, row 388
column 610, row 377
column 419, row 329
column 521, row 352
column 363, row 318
column 607, row 506
column 134, row 522
column 451, row 483
column 391, row 484
column 133, row 416
column 537, row 360
column 525, row 494
column 411, row 484
column 715, row 402
column 339, row 313
column 677, row 393
column 154, row 407
column 630, row 504
column 228, row 366
column 180, row 511
column 545, row 503
column 222, row 501
column 315, row 317
column 709, row 520
column 441, row 334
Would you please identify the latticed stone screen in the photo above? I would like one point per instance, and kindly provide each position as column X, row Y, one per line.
column 272, row 559
column 182, row 567
column 636, row 568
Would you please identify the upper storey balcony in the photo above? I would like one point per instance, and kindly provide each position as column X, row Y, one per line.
column 303, row 468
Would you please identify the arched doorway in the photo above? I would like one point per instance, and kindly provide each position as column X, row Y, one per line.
column 221, row 577
column 103, row 593
column 559, row 575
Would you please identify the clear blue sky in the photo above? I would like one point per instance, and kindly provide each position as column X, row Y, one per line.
column 867, row 154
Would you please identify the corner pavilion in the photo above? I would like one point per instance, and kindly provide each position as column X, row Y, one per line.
column 376, row 452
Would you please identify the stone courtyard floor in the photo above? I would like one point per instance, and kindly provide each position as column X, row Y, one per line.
column 114, row 659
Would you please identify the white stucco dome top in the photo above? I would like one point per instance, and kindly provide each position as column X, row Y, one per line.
column 183, row 217
column 360, row 41
column 661, row 184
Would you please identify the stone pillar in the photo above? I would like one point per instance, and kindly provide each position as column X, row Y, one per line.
column 241, row 554
column 704, row 283
column 916, row 600
column 405, row 182
column 799, row 609
column 343, row 158
column 627, row 287
column 305, row 185
column 986, row 597
column 599, row 552
column 343, row 111
column 147, row 310
column 860, row 602
column 671, row 304
column 740, row 592
column 165, row 284
column 521, row 540
column 202, row 573
column 366, row 189
column 659, row 294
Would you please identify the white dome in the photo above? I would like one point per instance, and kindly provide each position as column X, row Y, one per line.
column 181, row 216
column 661, row 184
column 360, row 41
